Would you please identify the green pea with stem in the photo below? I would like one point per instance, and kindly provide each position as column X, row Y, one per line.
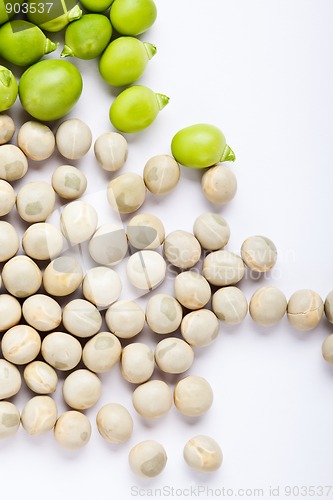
column 88, row 37
column 136, row 108
column 53, row 16
column 22, row 43
column 125, row 60
column 201, row 146
column 132, row 17
column 8, row 88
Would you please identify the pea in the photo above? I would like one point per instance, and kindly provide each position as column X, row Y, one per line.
column 124, row 60
column 8, row 88
column 201, row 146
column 7, row 9
column 49, row 89
column 87, row 37
column 132, row 17
column 96, row 5
column 136, row 108
column 53, row 16
column 22, row 43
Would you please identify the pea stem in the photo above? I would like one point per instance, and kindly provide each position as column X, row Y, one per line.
column 5, row 77
column 162, row 100
column 50, row 46
column 228, row 154
column 74, row 13
column 150, row 48
column 67, row 51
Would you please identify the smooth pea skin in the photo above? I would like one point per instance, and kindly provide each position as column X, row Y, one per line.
column 49, row 89
column 132, row 17
column 96, row 5
column 7, row 9
column 22, row 43
column 87, row 37
column 136, row 108
column 200, row 146
column 125, row 60
column 8, row 88
column 53, row 16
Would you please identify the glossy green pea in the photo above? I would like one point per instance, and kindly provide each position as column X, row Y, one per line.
column 8, row 8
column 22, row 43
column 132, row 17
column 125, row 60
column 49, row 89
column 96, row 5
column 52, row 16
column 200, row 146
column 8, row 88
column 87, row 37
column 136, row 108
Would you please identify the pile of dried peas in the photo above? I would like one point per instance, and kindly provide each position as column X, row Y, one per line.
column 80, row 339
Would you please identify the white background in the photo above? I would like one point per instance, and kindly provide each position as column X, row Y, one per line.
column 261, row 70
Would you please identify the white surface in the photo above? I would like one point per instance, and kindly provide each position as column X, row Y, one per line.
column 261, row 71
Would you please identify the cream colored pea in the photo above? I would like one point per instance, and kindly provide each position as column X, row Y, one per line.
column 111, row 151
column 9, row 241
column 192, row 290
column 152, row 399
column 259, row 253
column 147, row 459
column 267, row 306
column 21, row 276
column 10, row 311
column 39, row 415
column 81, row 318
column 69, row 182
column 146, row 269
column 35, row 201
column 145, row 231
column 161, row 174
column 78, row 221
column 42, row 312
column 114, row 423
column 13, row 163
column 200, row 328
column 328, row 307
column 230, row 305
column 327, row 349
column 203, row 453
column 126, row 193
column 109, row 245
column 9, row 419
column 163, row 313
column 40, row 377
column 62, row 276
column 211, row 230
column 173, row 355
column 182, row 249
column 20, row 344
column 10, row 379
column 219, row 184
column 137, row 363
column 36, row 140
column 82, row 389
column 73, row 138
column 7, row 198
column 305, row 310
column 223, row 268
column 101, row 352
column 101, row 286
column 7, row 128
column 42, row 241
column 72, row 430
column 193, row 396
column 125, row 319
column 61, row 350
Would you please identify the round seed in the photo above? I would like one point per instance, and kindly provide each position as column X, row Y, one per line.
column 114, row 423
column 305, row 310
column 73, row 139
column 81, row 318
column 42, row 312
column 223, row 268
column 152, row 399
column 111, row 151
column 35, row 201
column 137, row 363
column 219, row 184
column 192, row 290
column 78, row 221
column 9, row 419
column 40, row 377
column 163, row 313
column 7, row 128
column 10, row 379
column 200, row 328
column 212, row 231
column 147, row 459
column 9, row 241
column 39, row 415
column 259, row 253
column 82, row 389
column 101, row 286
column 230, row 305
column 10, row 312
column 61, row 350
column 21, row 276
column 125, row 319
column 21, row 344
column 182, row 249
column 62, row 276
column 202, row 453
column 161, row 174
column 267, row 306
column 13, row 163
column 108, row 246
column 126, row 193
column 69, row 182
column 146, row 269
column 7, row 197
column 327, row 349
column 36, row 140
column 72, row 430
column 42, row 241
column 328, row 307
column 193, row 396
column 145, row 231
column 173, row 355
column 101, row 352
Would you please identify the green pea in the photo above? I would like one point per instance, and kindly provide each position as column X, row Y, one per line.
column 8, row 8
column 132, row 17
column 136, row 108
column 201, row 146
column 125, row 60
column 87, row 37
column 96, row 5
column 49, row 89
column 8, row 89
column 53, row 16
column 22, row 43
